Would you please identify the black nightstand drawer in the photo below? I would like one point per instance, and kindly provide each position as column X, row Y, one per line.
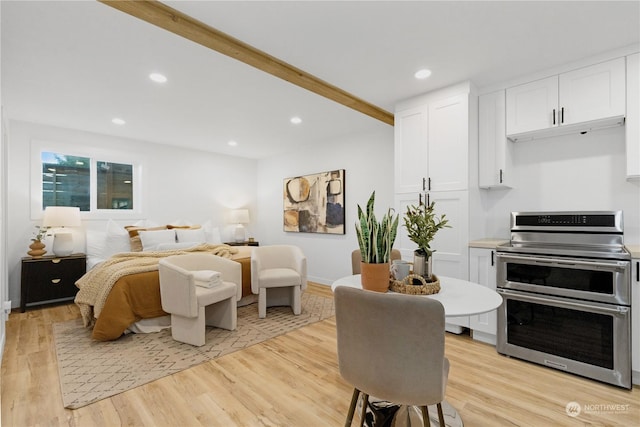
column 50, row 278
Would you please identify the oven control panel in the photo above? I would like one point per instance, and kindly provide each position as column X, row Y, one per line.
column 569, row 221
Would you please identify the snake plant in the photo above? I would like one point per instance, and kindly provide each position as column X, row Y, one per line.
column 376, row 238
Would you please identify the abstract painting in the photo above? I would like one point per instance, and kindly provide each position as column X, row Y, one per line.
column 315, row 203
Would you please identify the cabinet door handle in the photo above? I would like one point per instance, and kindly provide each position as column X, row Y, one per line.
column 638, row 271
column 55, row 260
column 55, row 281
column 429, row 183
column 428, row 199
column 420, row 198
column 562, row 115
column 554, row 116
column 500, row 183
column 492, row 260
column 424, row 184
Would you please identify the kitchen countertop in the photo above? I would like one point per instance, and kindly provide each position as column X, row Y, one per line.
column 634, row 249
column 487, row 243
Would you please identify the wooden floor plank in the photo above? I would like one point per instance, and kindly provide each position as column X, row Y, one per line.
column 292, row 380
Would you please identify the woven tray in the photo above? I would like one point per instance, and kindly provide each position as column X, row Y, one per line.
column 406, row 287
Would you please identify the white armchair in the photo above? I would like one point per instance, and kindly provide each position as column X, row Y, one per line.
column 192, row 306
column 282, row 271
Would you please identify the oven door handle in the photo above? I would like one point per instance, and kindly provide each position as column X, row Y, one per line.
column 563, row 303
column 612, row 265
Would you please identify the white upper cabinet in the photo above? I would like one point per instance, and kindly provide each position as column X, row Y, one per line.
column 431, row 146
column 448, row 142
column 411, row 154
column 532, row 106
column 633, row 116
column 579, row 100
column 593, row 93
column 494, row 150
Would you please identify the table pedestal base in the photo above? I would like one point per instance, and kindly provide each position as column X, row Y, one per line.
column 385, row 414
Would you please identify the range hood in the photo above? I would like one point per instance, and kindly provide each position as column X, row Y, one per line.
column 577, row 128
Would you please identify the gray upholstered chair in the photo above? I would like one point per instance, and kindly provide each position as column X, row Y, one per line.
column 192, row 305
column 356, row 259
column 278, row 276
column 391, row 346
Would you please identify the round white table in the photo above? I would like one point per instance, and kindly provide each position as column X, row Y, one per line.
column 459, row 298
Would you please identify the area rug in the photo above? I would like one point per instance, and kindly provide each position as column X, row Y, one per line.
column 90, row 371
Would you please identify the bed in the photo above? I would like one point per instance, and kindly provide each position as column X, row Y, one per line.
column 123, row 293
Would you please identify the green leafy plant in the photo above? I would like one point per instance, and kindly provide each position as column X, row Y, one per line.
column 376, row 238
column 422, row 224
column 42, row 231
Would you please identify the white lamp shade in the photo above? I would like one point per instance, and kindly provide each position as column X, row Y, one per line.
column 61, row 216
column 240, row 216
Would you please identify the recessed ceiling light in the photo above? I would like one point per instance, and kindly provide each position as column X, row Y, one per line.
column 232, row 143
column 157, row 77
column 422, row 74
column 296, row 120
column 118, row 121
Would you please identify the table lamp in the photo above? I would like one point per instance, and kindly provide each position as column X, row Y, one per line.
column 240, row 217
column 60, row 217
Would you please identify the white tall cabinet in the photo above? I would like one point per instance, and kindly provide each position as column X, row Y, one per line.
column 432, row 138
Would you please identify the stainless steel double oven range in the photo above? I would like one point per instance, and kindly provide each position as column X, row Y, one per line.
column 565, row 278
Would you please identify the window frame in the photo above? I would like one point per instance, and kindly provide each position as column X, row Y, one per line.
column 95, row 155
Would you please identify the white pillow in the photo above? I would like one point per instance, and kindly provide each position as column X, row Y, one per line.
column 116, row 240
column 190, row 235
column 151, row 239
column 96, row 241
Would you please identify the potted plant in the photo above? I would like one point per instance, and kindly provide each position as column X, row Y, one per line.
column 422, row 224
column 37, row 247
column 375, row 240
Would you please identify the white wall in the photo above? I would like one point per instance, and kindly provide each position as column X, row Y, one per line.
column 177, row 184
column 574, row 172
column 368, row 164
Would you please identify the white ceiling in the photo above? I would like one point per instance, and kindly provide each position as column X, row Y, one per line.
column 79, row 64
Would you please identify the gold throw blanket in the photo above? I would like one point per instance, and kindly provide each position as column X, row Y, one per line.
column 96, row 284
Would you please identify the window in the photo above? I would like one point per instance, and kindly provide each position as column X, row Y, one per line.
column 98, row 183
column 65, row 181
column 114, row 182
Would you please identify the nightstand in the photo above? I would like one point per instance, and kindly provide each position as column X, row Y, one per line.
column 247, row 243
column 50, row 279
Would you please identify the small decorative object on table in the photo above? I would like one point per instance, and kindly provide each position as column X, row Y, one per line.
column 36, row 248
column 422, row 224
column 407, row 285
column 375, row 239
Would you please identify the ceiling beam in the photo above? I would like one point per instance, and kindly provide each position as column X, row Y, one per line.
column 183, row 25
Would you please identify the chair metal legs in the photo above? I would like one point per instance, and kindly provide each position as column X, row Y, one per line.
column 365, row 401
column 426, row 422
column 352, row 407
column 441, row 415
column 425, row 416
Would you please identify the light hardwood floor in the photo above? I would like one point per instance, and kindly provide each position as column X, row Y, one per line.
column 293, row 380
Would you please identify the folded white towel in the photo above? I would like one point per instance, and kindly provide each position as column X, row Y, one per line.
column 207, row 278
